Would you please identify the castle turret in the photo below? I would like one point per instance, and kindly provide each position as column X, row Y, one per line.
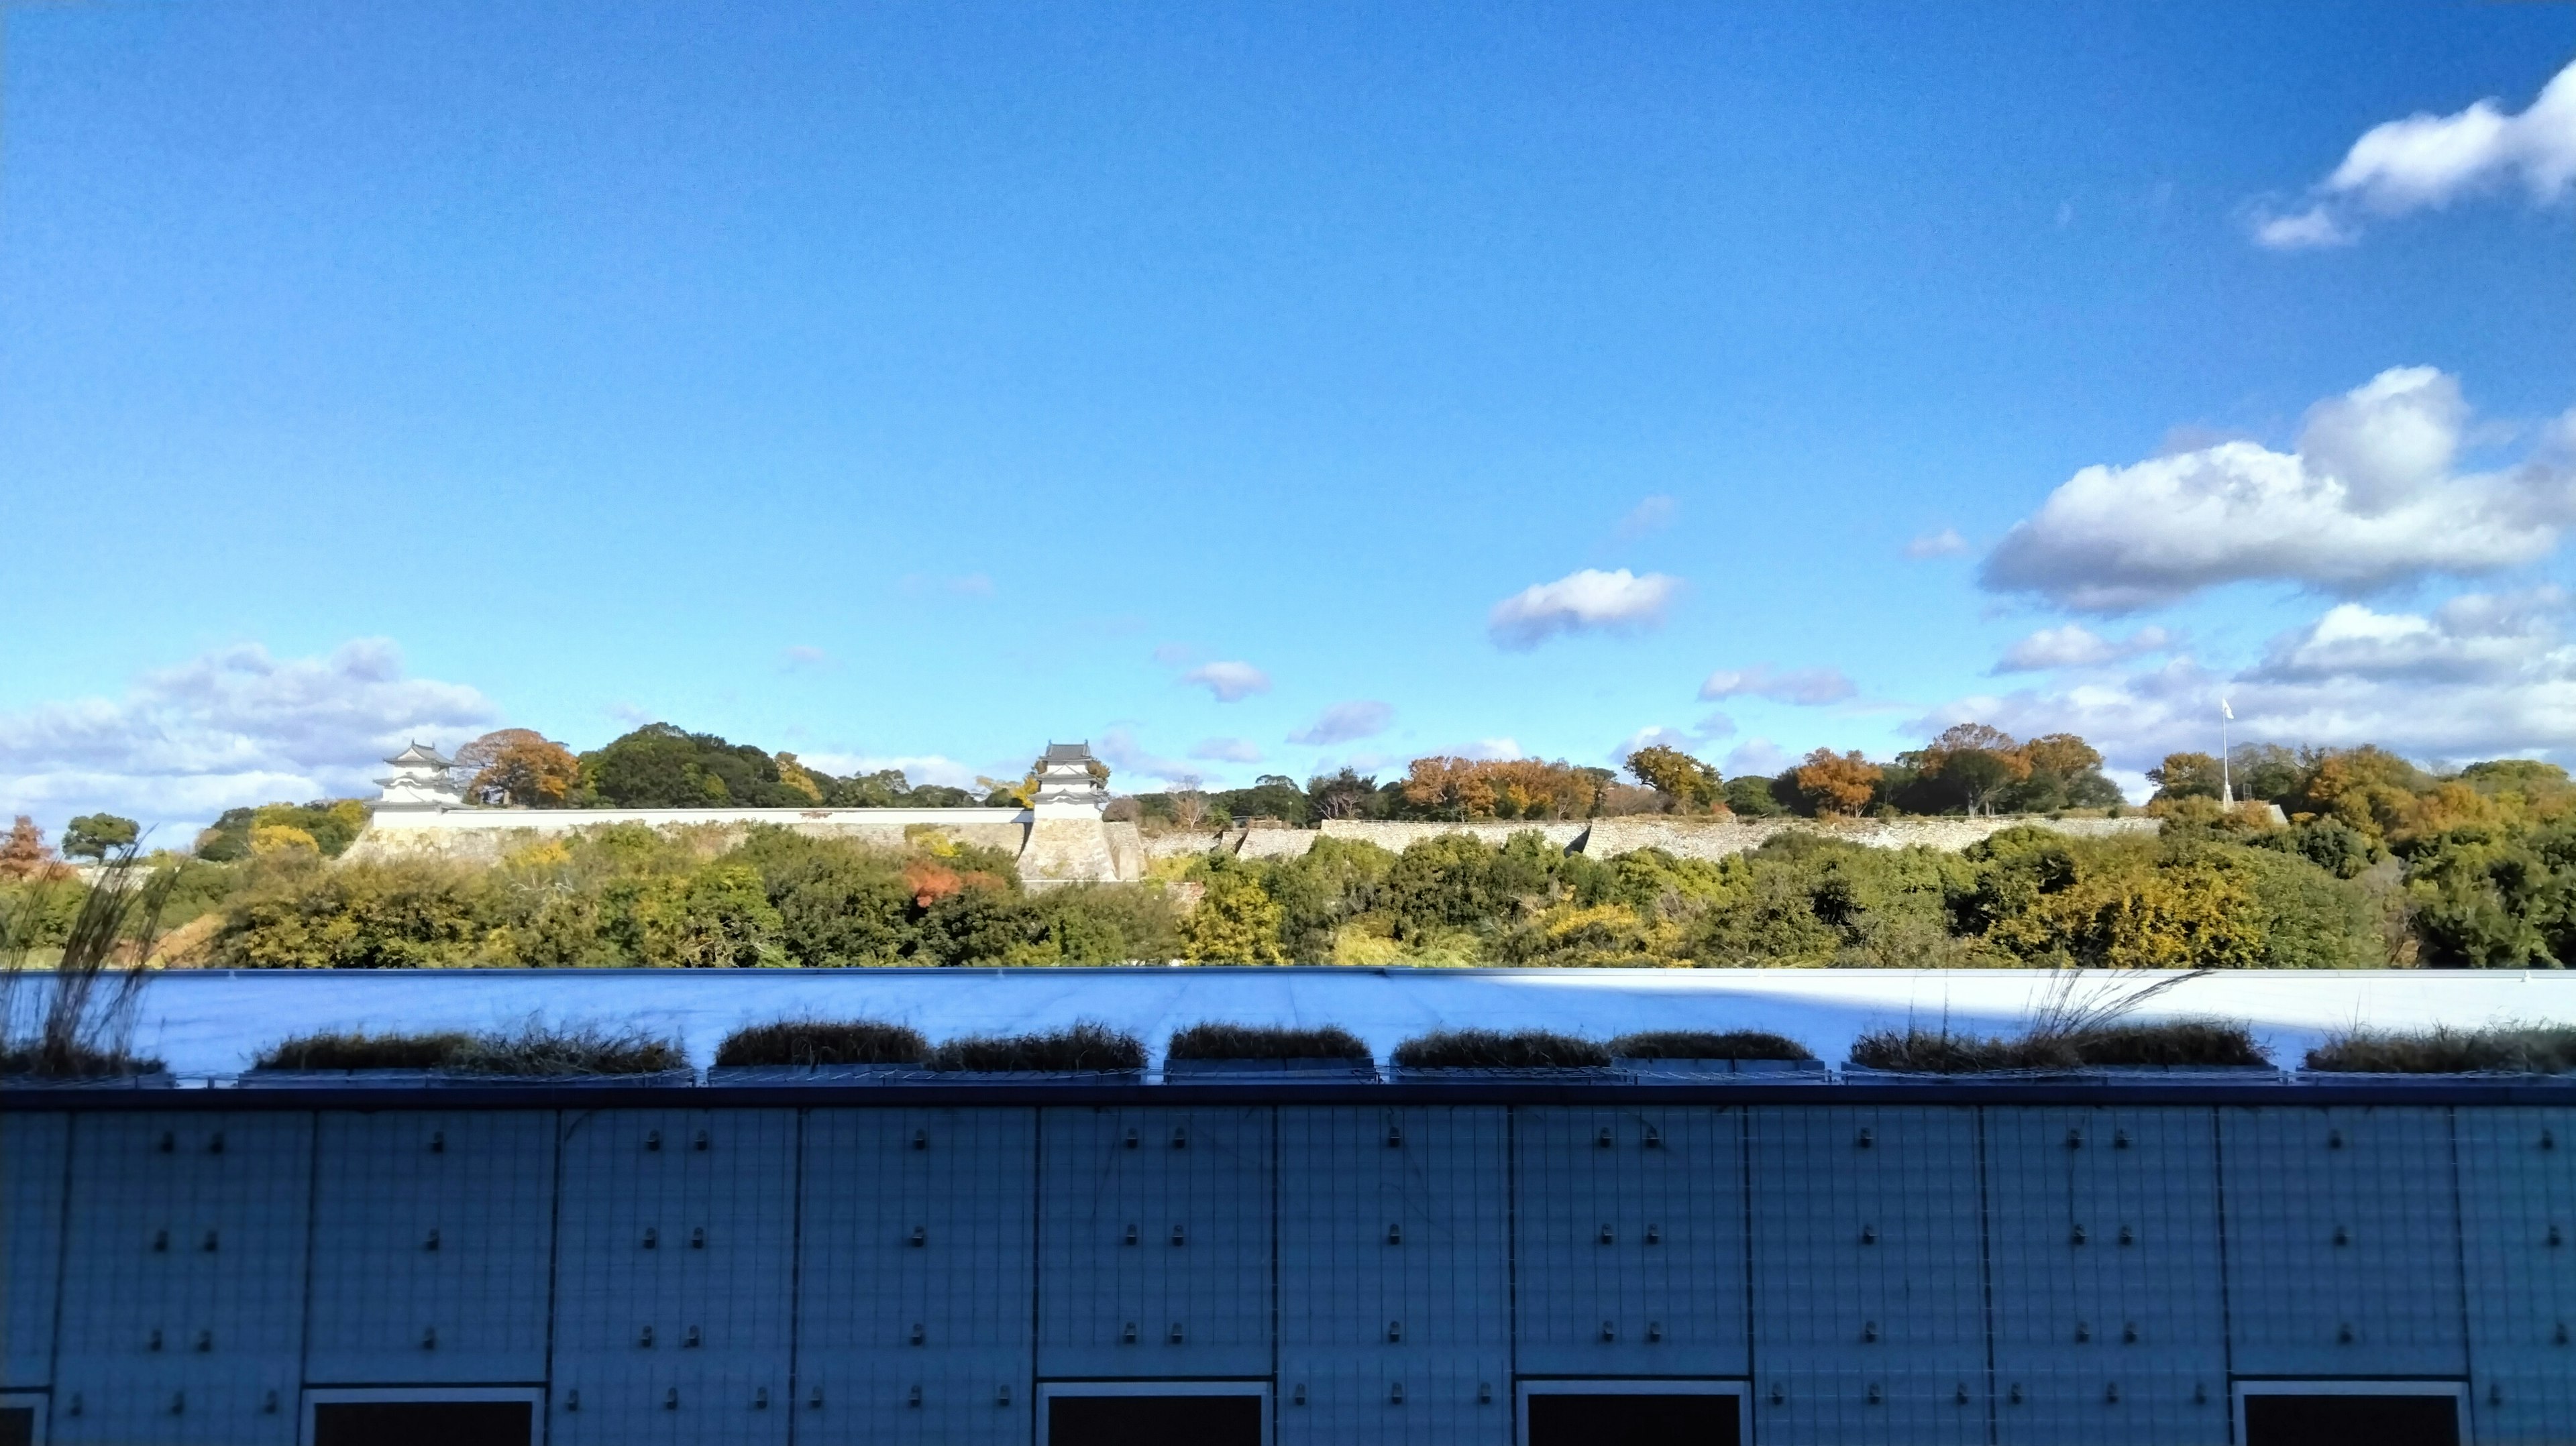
column 420, row 780
column 1071, row 783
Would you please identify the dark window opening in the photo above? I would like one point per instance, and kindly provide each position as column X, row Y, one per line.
column 1633, row 1420
column 422, row 1423
column 17, row 1426
column 2351, row 1420
column 1233, row 1420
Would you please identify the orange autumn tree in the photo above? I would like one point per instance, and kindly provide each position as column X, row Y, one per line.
column 1836, row 783
column 530, row 769
column 1503, row 788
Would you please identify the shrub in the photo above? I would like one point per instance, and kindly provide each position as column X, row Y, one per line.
column 358, row 1049
column 1698, row 1044
column 823, row 1041
column 1262, row 1041
column 2178, row 1042
column 1087, row 1045
column 2544, row 1049
column 1492, row 1049
column 536, row 1048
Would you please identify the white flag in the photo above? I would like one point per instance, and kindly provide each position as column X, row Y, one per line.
column 2229, row 713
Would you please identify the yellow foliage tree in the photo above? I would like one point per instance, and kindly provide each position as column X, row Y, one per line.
column 528, row 768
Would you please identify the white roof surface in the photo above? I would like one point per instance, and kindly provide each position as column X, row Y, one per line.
column 212, row 1022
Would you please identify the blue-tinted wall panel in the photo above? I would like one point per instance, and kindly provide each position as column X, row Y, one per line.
column 1156, row 1220
column 2109, row 1319
column 2518, row 1236
column 433, row 1246
column 1394, row 1275
column 1630, row 1231
column 1868, row 1283
column 2335, row 1222
column 183, row 1288
column 919, row 1267
column 674, row 1275
column 32, row 1149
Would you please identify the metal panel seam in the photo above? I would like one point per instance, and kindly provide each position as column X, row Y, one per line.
column 2226, row 1302
column 1986, row 1268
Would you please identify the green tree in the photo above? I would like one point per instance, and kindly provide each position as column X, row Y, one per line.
column 660, row 766
column 96, row 835
column 2185, row 775
column 1691, row 784
column 717, row 917
column 1236, row 921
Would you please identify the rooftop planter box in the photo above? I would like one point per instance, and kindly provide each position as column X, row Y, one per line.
column 811, row 1051
column 1088, row 1051
column 1470, row 1055
column 1243, row 1053
column 2173, row 1051
column 2521, row 1052
column 1670, row 1055
column 535, row 1053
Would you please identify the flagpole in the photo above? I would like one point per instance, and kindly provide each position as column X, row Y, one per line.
column 2226, row 784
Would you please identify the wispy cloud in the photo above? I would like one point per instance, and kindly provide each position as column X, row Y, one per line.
column 1804, row 687
column 1344, row 722
column 1587, row 601
column 1227, row 750
column 1945, row 543
column 2076, row 646
column 1652, row 515
column 802, row 658
column 1230, row 682
column 972, row 584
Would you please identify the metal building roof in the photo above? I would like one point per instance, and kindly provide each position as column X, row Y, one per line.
column 212, row 1022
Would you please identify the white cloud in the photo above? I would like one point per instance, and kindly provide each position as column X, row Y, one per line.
column 1945, row 543
column 2481, row 676
column 2428, row 161
column 2369, row 498
column 2076, row 646
column 801, row 657
column 1118, row 747
column 1759, row 757
column 1716, row 725
column 1653, row 737
column 1344, row 722
column 1806, row 687
column 1494, row 750
column 918, row 768
column 1230, row 682
column 229, row 728
column 1227, row 750
column 1654, row 514
column 1581, row 601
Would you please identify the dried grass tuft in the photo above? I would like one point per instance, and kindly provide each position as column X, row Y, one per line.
column 539, row 1049
column 357, row 1049
column 1261, row 1041
column 1707, row 1044
column 1493, row 1049
column 2187, row 1043
column 799, row 1042
column 1088, row 1045
column 2516, row 1049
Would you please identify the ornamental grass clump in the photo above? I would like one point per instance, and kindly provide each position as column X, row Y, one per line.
column 1493, row 1049
column 357, row 1049
column 76, row 1020
column 537, row 1049
column 1262, row 1041
column 1708, row 1044
column 1085, row 1047
column 2182, row 1043
column 804, row 1042
column 2513, row 1049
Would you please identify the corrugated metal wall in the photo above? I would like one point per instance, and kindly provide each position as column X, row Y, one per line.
column 1864, row 1273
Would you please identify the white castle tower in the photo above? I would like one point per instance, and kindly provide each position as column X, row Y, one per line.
column 420, row 781
column 1067, row 787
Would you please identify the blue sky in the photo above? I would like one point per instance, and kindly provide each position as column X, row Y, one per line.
column 923, row 383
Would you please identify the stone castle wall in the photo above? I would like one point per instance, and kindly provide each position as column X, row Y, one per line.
column 1052, row 850
column 1690, row 838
